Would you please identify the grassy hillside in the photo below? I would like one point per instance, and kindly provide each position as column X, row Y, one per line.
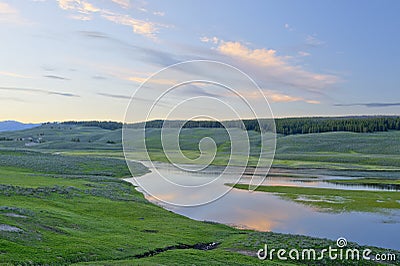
column 334, row 150
column 61, row 137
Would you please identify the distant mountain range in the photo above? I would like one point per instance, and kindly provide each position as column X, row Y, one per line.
column 15, row 125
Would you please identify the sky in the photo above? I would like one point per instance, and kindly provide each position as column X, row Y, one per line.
column 85, row 59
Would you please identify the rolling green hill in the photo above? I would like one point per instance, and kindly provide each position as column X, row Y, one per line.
column 333, row 150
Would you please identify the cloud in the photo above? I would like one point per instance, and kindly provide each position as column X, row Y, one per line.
column 288, row 27
column 142, row 27
column 276, row 97
column 274, row 68
column 48, row 68
column 6, row 9
column 303, row 54
column 94, row 34
column 214, row 39
column 312, row 40
column 137, row 99
column 370, row 105
column 48, row 92
column 80, row 6
column 99, row 77
column 117, row 96
column 259, row 56
column 159, row 13
column 122, row 3
column 62, row 94
column 152, row 80
column 279, row 98
column 14, row 75
column 269, row 69
column 138, row 5
column 148, row 55
column 262, row 63
column 313, row 102
column 81, row 17
column 83, row 10
column 11, row 15
column 55, row 77
column 15, row 99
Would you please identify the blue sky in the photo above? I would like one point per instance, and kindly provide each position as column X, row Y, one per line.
column 83, row 59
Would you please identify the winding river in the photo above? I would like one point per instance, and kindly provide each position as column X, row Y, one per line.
column 268, row 212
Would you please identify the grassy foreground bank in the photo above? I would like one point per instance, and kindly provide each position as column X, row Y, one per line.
column 60, row 210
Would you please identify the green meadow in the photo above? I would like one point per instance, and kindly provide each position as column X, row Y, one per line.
column 84, row 216
column 63, row 202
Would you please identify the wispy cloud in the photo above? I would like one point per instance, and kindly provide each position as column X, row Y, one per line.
column 62, row 94
column 94, row 34
column 148, row 55
column 136, row 5
column 99, row 77
column 48, row 68
column 83, row 10
column 55, row 77
column 303, row 54
column 122, row 3
column 159, row 13
column 82, row 7
column 276, row 67
column 214, row 39
column 152, row 81
column 370, row 105
column 136, row 99
column 42, row 91
column 288, row 27
column 264, row 64
column 277, row 97
column 14, row 75
column 142, row 27
column 10, row 15
column 15, row 99
column 117, row 96
column 312, row 40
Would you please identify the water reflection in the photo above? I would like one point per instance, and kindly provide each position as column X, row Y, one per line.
column 268, row 212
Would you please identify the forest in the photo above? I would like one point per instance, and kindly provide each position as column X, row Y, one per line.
column 285, row 126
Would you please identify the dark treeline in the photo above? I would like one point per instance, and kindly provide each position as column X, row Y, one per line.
column 285, row 126
column 289, row 126
column 102, row 124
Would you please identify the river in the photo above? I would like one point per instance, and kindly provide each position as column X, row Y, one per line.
column 265, row 211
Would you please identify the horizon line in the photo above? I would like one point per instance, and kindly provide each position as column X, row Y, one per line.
column 137, row 122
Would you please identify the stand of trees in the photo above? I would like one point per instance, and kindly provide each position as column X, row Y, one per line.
column 101, row 124
column 285, row 126
column 289, row 126
column 301, row 125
